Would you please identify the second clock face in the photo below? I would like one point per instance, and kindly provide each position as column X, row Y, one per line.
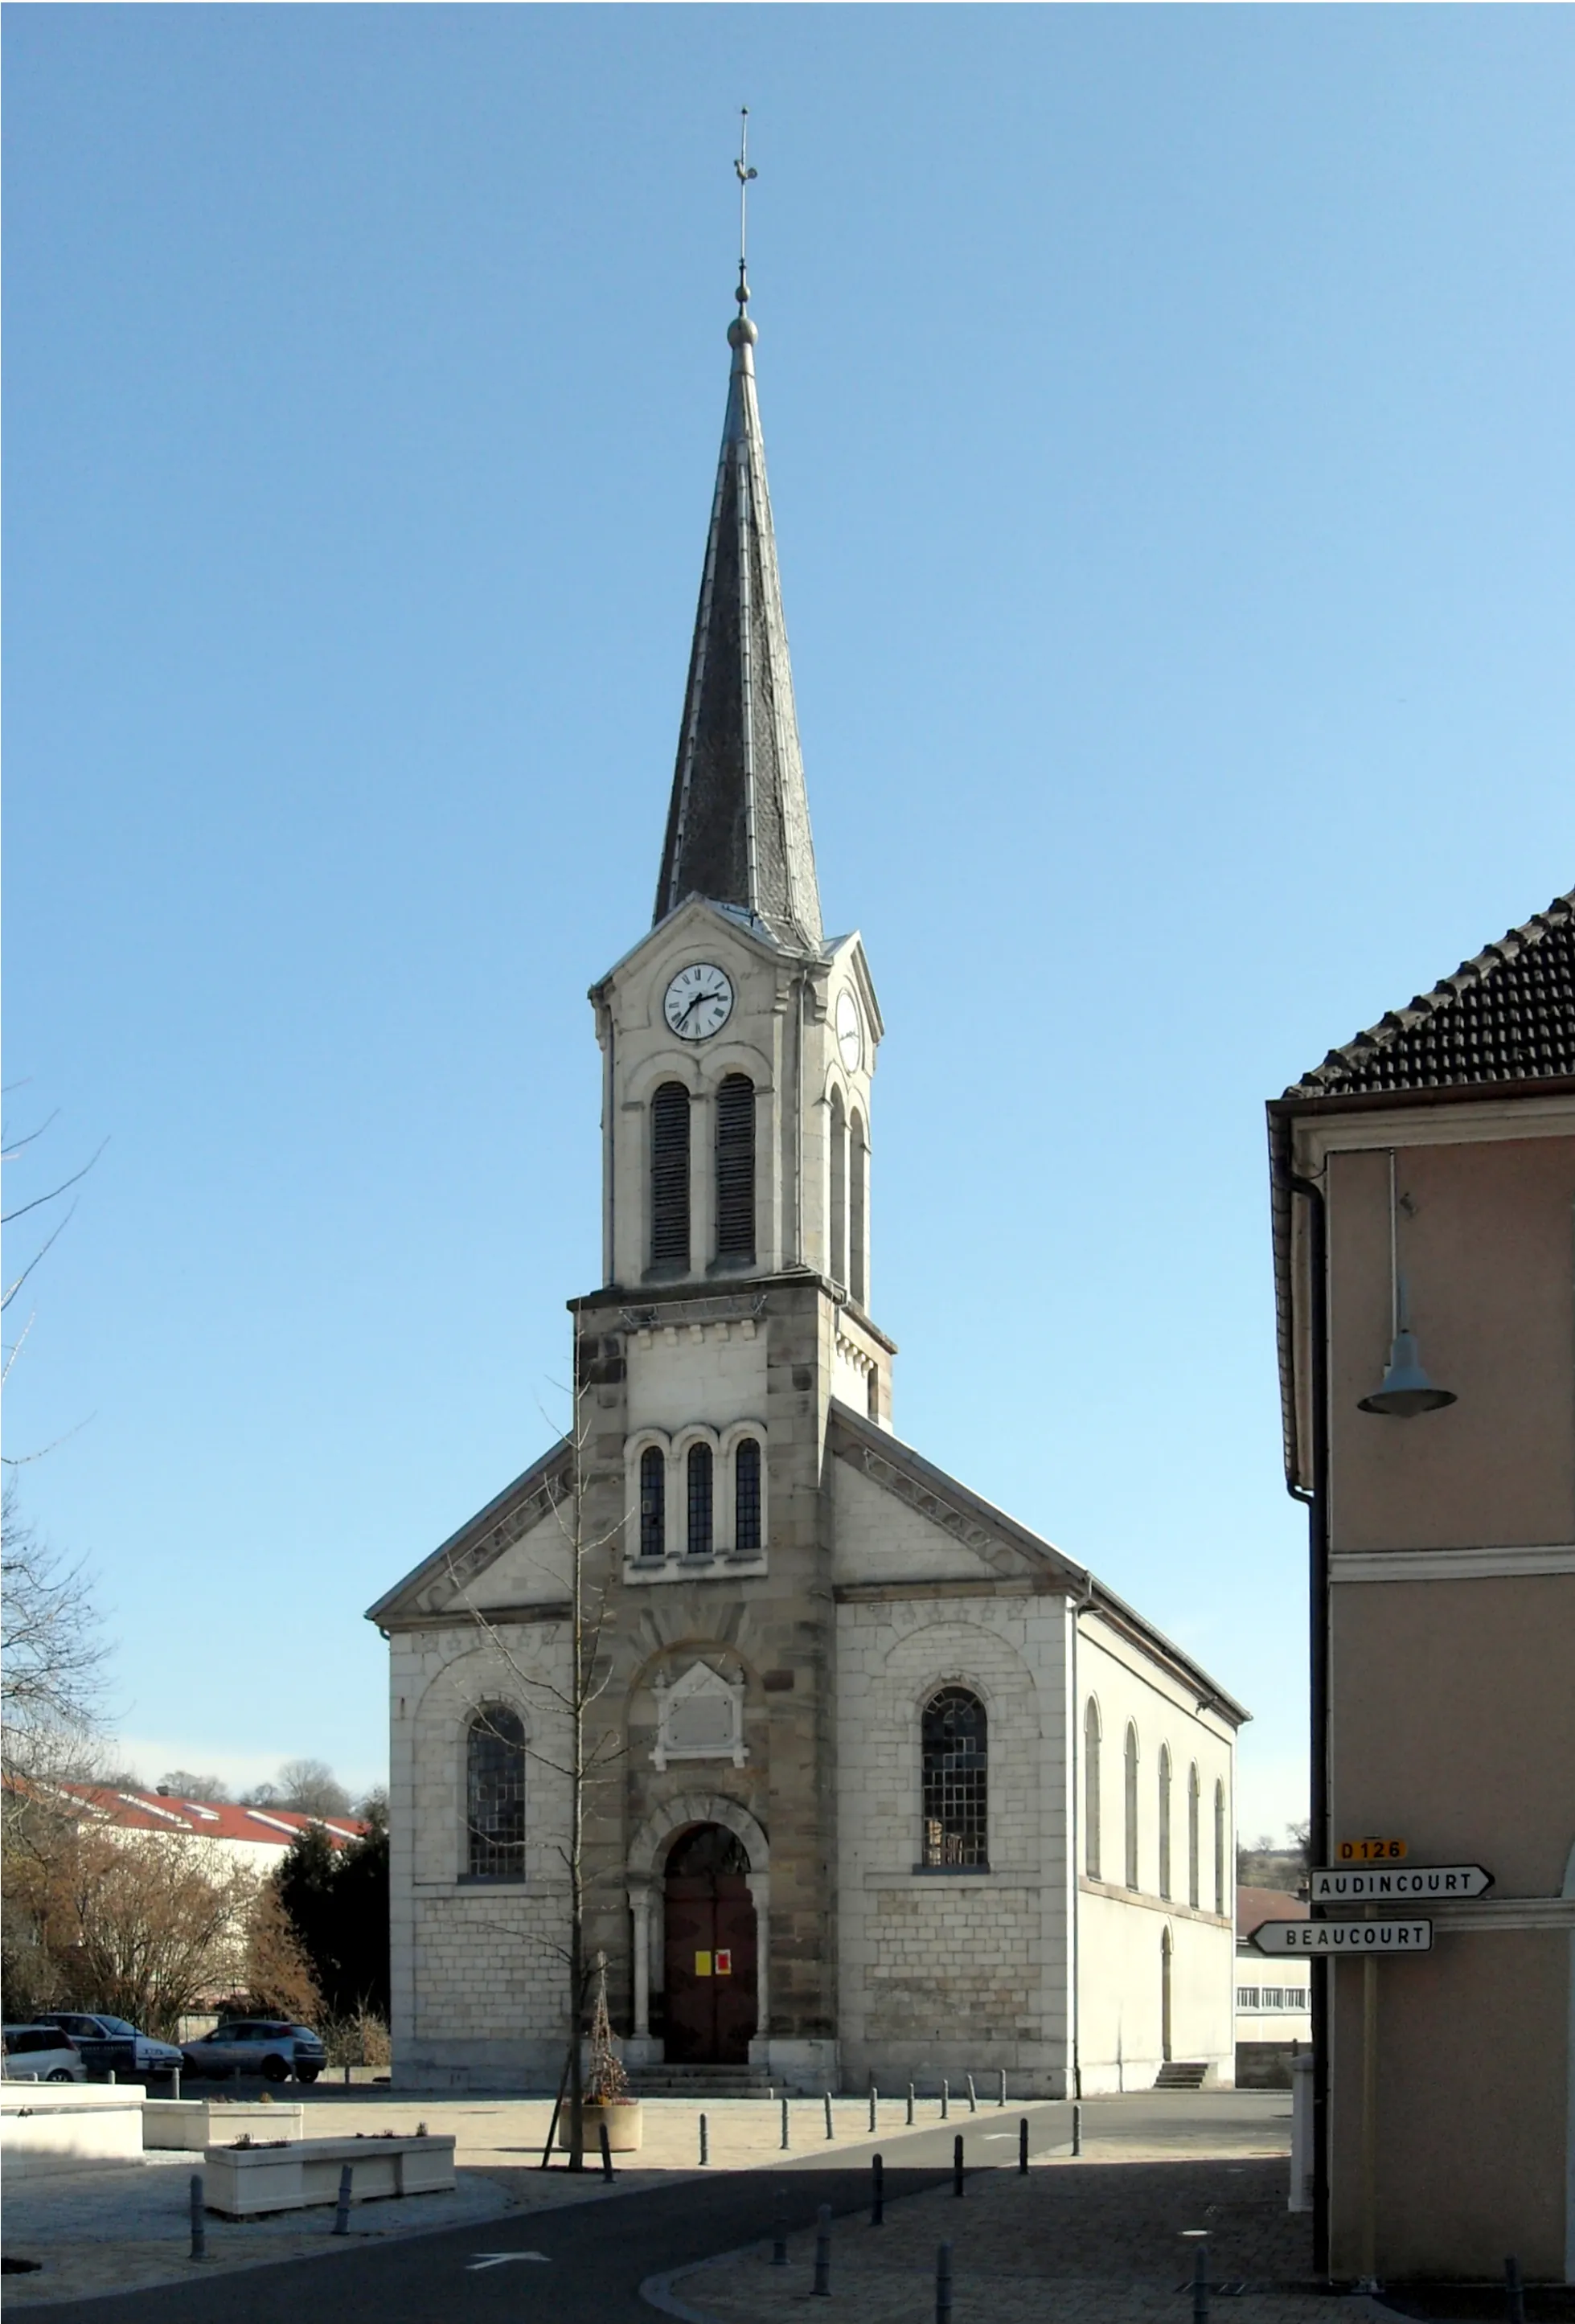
column 698, row 1001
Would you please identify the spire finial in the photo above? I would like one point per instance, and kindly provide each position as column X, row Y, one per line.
column 744, row 173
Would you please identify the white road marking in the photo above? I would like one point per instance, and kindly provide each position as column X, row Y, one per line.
column 501, row 2259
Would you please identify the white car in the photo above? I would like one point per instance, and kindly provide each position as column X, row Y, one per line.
column 113, row 2045
column 42, row 2053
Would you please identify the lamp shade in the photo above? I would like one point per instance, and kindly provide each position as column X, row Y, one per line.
column 1406, row 1389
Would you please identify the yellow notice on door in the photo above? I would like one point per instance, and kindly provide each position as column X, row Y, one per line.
column 703, row 1964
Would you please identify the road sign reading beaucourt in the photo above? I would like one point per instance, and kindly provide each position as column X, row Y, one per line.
column 1371, row 1937
column 1368, row 1884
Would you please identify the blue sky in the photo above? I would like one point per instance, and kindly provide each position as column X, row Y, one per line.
column 1170, row 434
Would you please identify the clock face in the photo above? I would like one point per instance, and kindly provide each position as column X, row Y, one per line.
column 850, row 1032
column 698, row 1001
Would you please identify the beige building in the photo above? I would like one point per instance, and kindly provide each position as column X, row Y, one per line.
column 1425, row 1193
column 888, row 1784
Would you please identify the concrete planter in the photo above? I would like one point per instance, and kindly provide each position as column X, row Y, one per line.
column 198, row 2124
column 625, row 2129
column 243, row 2183
column 57, row 2125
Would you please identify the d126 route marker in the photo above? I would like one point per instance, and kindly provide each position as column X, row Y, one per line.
column 1350, row 1884
column 1372, row 1937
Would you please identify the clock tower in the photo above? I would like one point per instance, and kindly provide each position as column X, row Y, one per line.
column 739, row 1045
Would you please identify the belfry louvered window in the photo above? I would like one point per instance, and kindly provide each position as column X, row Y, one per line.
column 954, row 1755
column 495, row 1796
column 746, row 1495
column 735, row 1167
column 653, row 1499
column 669, row 1178
column 699, row 1476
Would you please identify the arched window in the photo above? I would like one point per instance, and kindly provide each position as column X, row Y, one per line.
column 1091, row 1789
column 699, row 1532
column 669, row 1179
column 735, row 1167
column 858, row 1194
column 746, row 1495
column 1131, row 1805
column 1193, row 1805
column 1164, row 1819
column 653, row 1502
column 955, row 1755
column 1219, row 1848
column 837, row 1253
column 495, row 1796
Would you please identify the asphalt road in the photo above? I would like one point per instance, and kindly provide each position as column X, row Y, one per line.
column 595, row 2255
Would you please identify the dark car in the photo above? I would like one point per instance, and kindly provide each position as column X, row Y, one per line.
column 112, row 2045
column 269, row 2046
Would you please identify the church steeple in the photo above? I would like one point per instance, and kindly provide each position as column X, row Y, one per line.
column 738, row 827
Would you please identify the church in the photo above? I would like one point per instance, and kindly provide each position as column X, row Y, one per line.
column 879, row 1784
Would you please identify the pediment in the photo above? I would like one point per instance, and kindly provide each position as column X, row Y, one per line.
column 931, row 1527
column 493, row 1560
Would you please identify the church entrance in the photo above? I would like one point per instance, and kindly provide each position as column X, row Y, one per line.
column 710, row 1949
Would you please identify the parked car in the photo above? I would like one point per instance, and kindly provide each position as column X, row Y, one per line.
column 258, row 2046
column 111, row 2046
column 42, row 2053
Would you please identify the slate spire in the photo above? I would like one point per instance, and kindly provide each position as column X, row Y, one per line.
column 738, row 827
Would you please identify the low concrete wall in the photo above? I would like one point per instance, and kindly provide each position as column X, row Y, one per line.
column 198, row 2124
column 243, row 2183
column 48, row 2127
column 1264, row 2065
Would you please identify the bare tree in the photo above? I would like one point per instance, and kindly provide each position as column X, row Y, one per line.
column 309, row 1785
column 182, row 1784
column 52, row 1664
column 277, row 1975
column 584, row 1760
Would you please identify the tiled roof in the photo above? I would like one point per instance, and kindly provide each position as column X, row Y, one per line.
column 1253, row 1906
column 131, row 1810
column 1506, row 1016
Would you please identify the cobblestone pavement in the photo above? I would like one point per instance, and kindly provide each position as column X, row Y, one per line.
column 1095, row 2241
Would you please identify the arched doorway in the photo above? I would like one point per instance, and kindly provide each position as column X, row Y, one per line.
column 710, row 1949
column 1166, row 1949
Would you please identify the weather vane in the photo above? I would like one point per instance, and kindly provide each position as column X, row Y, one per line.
column 744, row 173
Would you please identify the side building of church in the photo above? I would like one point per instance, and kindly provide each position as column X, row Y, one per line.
column 885, row 1786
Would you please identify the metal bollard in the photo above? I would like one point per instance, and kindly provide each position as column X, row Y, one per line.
column 606, row 2152
column 1001, row 2100
column 830, row 2132
column 1201, row 2283
column 346, row 2077
column 946, row 2099
column 110, row 2076
column 822, row 2284
column 1023, row 2145
column 874, row 2105
column 175, row 2079
column 1514, row 2293
column 342, row 2210
column 910, row 2106
column 957, row 2164
column 1077, row 2128
column 784, row 2125
column 943, row 2284
column 876, row 2191
column 198, row 2219
column 705, row 2144
column 778, row 2251
column 972, row 2097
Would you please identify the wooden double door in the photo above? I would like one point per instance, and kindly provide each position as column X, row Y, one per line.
column 710, row 1949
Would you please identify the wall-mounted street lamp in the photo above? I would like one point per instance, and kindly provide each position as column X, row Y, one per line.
column 1405, row 1389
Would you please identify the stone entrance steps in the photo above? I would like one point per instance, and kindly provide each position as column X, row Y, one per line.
column 699, row 2082
column 1177, row 2074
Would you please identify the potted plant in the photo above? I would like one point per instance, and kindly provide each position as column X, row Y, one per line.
column 608, row 2098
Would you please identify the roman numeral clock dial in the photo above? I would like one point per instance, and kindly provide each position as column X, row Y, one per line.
column 698, row 1001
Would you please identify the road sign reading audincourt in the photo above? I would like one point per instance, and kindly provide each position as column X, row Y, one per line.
column 1369, row 1937
column 1344, row 1884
